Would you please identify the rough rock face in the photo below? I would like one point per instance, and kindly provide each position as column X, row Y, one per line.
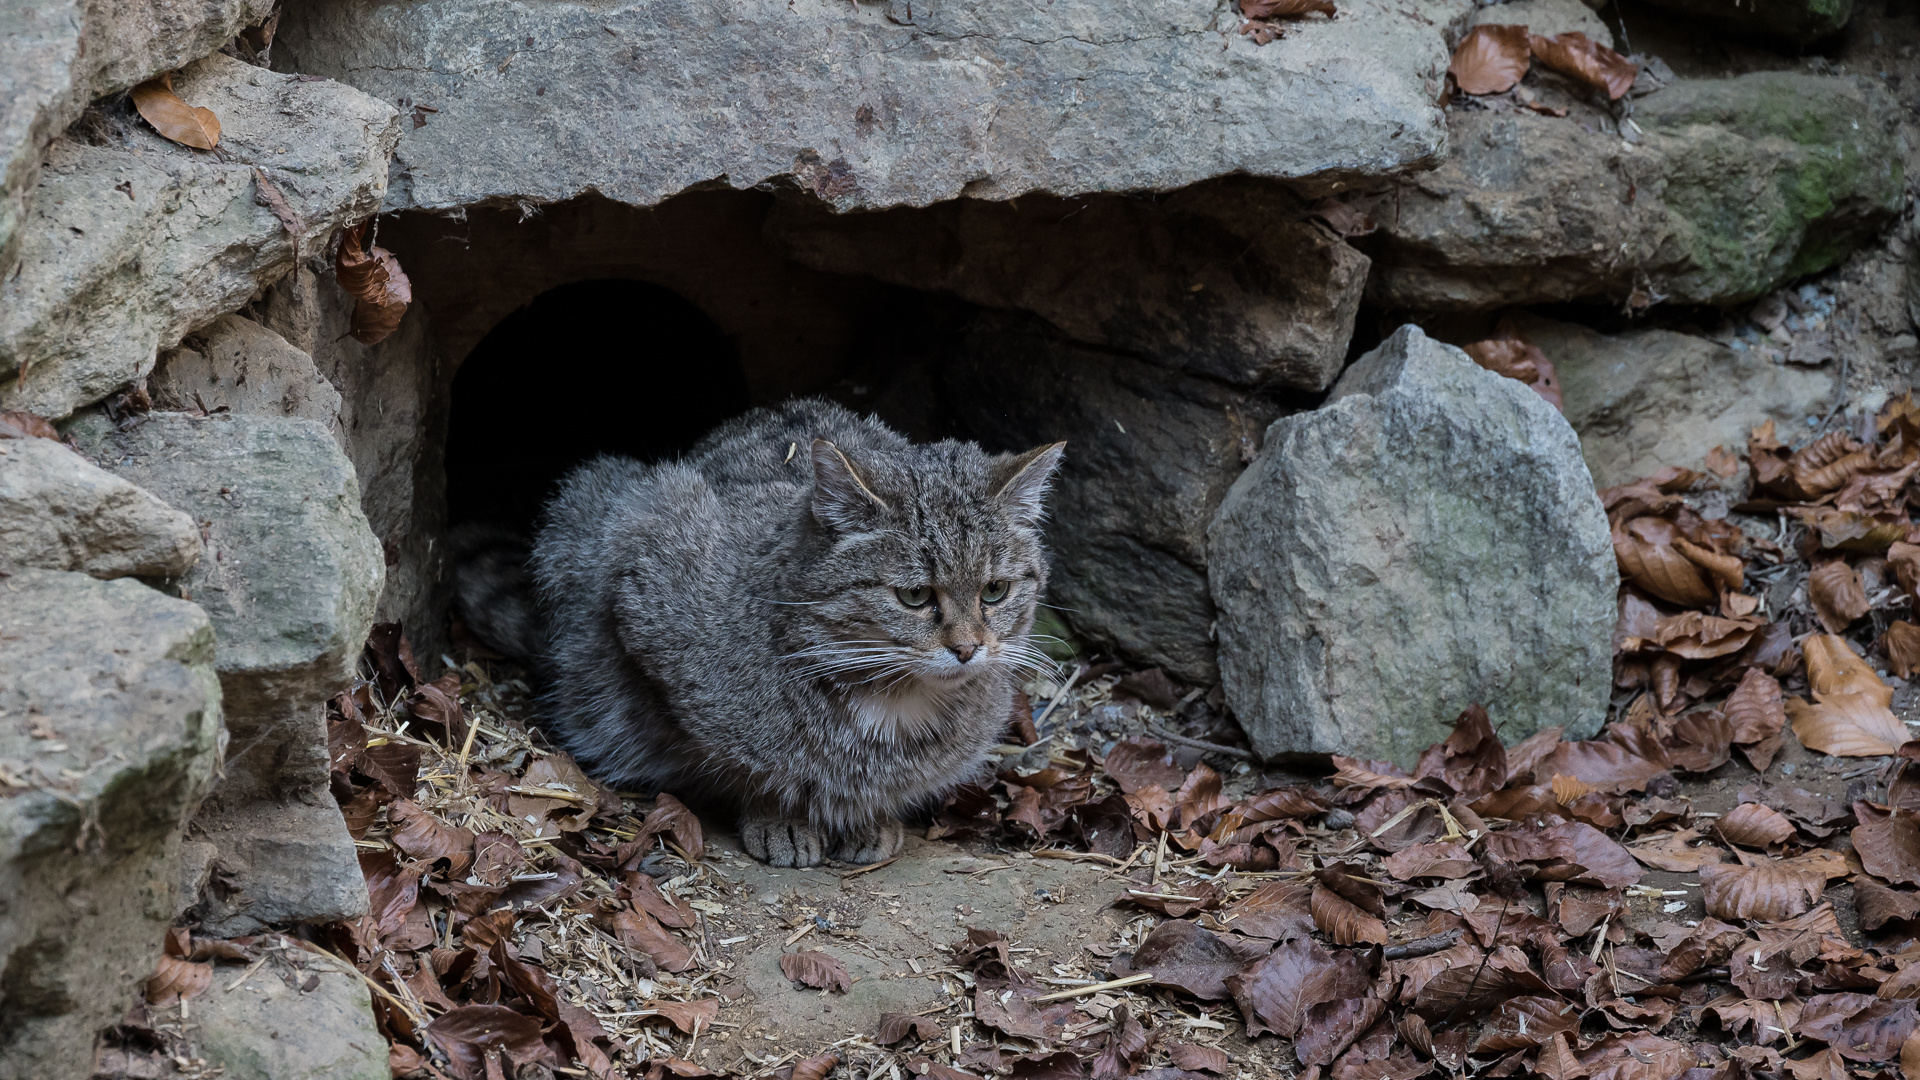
column 1427, row 540
column 246, row 368
column 1645, row 399
column 58, row 511
column 1150, row 453
column 290, row 578
column 1224, row 280
column 1739, row 185
column 1546, row 17
column 877, row 105
column 132, row 244
column 1792, row 23
column 273, row 1028
column 58, row 55
column 109, row 730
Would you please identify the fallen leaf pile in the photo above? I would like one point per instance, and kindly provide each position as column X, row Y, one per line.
column 472, row 836
column 1553, row 907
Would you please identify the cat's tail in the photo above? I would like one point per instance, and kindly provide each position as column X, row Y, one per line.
column 493, row 589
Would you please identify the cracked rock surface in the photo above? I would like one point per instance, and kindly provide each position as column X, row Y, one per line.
column 109, row 730
column 1738, row 186
column 879, row 104
column 135, row 241
column 58, row 511
column 290, row 577
column 58, row 55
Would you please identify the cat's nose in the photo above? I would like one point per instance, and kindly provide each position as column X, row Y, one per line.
column 964, row 650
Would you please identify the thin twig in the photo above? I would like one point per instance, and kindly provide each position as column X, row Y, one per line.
column 1201, row 744
column 1083, row 991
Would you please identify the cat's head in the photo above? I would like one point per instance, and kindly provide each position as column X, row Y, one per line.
column 930, row 563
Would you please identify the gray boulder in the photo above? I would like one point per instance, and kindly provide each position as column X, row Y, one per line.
column 1546, row 17
column 58, row 511
column 241, row 366
column 1646, row 399
column 879, row 104
column 58, row 55
column 109, row 731
column 290, row 577
column 1426, row 541
column 1225, row 280
column 132, row 244
column 302, row 1016
column 1737, row 186
column 1150, row 454
column 1792, row 23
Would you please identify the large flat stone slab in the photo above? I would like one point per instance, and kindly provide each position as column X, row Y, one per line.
column 1226, row 280
column 1426, row 541
column 109, row 731
column 131, row 244
column 878, row 104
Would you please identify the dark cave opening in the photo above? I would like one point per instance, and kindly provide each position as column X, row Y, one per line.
column 595, row 367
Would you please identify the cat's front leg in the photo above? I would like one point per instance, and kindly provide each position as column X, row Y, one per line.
column 783, row 841
column 869, row 843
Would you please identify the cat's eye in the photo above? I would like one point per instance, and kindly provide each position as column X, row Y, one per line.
column 915, row 597
column 994, row 592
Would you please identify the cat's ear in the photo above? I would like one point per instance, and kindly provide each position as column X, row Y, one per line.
column 842, row 498
column 1020, row 481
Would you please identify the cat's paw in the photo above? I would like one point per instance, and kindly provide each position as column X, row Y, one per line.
column 783, row 841
column 870, row 843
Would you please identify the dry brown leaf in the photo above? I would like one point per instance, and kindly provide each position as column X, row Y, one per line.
column 1904, row 560
column 1837, row 596
column 1184, row 955
column 1723, row 462
column 1903, row 648
column 816, row 969
column 635, row 928
column 1518, row 359
column 1567, row 790
column 1195, row 1058
column 1754, row 825
column 1677, row 853
column 380, row 289
column 471, row 1035
column 1754, row 708
column 1284, row 9
column 1586, row 61
column 688, row 1016
column 15, row 423
column 1645, row 550
column 1491, row 59
column 422, row 836
column 174, row 978
column 1727, row 570
column 1343, row 921
column 897, row 1026
column 1768, row 891
column 817, row 1067
column 1850, row 716
column 1889, row 849
column 174, row 118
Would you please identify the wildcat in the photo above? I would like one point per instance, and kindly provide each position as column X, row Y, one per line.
column 808, row 618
